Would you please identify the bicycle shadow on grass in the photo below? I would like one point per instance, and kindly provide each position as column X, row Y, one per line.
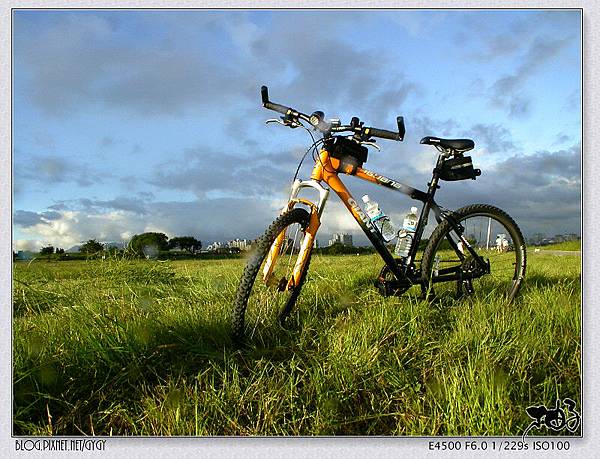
column 537, row 280
column 98, row 377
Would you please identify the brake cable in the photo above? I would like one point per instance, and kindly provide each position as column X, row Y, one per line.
column 313, row 147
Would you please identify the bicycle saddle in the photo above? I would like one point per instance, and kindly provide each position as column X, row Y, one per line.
column 452, row 144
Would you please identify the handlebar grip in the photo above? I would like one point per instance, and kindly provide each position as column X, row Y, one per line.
column 264, row 93
column 278, row 108
column 401, row 127
column 383, row 133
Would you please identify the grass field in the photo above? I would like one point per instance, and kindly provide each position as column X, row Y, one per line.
column 569, row 245
column 142, row 348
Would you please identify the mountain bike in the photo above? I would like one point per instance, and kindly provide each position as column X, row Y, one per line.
column 460, row 257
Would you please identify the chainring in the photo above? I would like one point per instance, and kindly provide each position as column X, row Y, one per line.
column 388, row 285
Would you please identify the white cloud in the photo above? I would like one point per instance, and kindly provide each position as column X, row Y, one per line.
column 74, row 227
column 27, row 245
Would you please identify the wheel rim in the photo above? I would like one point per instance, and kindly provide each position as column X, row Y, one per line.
column 493, row 240
column 270, row 301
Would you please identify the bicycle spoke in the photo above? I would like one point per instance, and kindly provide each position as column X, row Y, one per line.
column 269, row 302
column 493, row 242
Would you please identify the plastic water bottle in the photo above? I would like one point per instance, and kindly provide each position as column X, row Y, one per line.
column 380, row 220
column 407, row 233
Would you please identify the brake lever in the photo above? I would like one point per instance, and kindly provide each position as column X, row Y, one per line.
column 371, row 144
column 292, row 124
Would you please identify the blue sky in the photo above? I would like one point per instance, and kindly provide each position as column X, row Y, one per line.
column 133, row 121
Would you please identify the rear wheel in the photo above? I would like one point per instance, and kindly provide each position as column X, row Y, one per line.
column 494, row 237
column 263, row 301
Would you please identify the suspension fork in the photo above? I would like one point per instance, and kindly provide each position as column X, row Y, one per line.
column 309, row 236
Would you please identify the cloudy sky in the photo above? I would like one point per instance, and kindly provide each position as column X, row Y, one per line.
column 133, row 121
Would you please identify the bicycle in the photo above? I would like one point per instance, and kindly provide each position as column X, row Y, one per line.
column 458, row 257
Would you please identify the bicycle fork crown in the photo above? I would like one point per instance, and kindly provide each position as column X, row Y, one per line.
column 299, row 184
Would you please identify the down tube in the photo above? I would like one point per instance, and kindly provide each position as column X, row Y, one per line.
column 365, row 223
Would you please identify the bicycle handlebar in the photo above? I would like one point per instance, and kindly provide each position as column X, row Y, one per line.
column 327, row 128
column 271, row 105
column 385, row 134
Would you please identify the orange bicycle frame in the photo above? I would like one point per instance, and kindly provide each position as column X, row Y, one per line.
column 326, row 169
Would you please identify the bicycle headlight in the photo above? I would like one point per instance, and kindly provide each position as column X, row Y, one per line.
column 316, row 118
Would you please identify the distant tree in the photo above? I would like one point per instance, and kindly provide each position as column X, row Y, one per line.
column 49, row 250
column 91, row 246
column 189, row 243
column 148, row 244
column 60, row 251
column 113, row 250
column 536, row 238
column 336, row 248
column 227, row 250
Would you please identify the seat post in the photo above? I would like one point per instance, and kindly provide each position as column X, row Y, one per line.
column 435, row 177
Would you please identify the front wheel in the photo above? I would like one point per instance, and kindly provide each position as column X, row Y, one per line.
column 265, row 295
column 482, row 254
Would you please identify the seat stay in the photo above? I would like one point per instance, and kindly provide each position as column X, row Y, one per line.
column 459, row 231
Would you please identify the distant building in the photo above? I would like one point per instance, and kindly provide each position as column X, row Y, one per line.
column 214, row 246
column 242, row 244
column 566, row 237
column 341, row 238
column 540, row 239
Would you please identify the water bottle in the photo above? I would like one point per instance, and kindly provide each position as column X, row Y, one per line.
column 380, row 220
column 407, row 233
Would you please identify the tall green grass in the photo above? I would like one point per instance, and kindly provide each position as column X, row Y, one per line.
column 120, row 347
